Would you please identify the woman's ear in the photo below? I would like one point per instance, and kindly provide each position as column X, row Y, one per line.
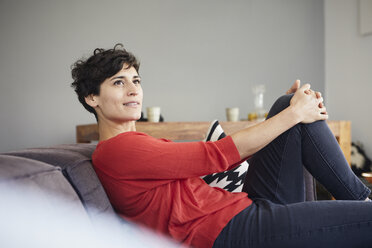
column 92, row 100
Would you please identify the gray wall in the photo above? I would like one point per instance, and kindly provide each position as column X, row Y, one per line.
column 197, row 57
column 348, row 69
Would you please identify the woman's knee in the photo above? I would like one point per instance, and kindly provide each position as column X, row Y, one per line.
column 280, row 104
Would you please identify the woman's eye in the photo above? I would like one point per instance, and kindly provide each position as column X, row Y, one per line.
column 136, row 81
column 119, row 82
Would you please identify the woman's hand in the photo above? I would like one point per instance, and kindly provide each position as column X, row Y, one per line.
column 305, row 106
column 308, row 105
column 297, row 85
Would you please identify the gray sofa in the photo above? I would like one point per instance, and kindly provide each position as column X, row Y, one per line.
column 51, row 197
column 66, row 172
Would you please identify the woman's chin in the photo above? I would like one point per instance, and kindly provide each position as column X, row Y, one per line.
column 128, row 119
column 136, row 118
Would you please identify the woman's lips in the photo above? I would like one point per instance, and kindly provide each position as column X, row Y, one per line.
column 131, row 104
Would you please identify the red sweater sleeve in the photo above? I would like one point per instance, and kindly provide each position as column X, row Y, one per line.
column 135, row 155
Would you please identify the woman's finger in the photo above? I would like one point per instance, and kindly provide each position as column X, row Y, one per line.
column 294, row 87
column 305, row 87
column 309, row 91
column 324, row 116
column 323, row 110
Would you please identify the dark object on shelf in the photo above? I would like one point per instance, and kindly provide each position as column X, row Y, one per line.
column 142, row 117
column 145, row 119
column 360, row 162
column 367, row 176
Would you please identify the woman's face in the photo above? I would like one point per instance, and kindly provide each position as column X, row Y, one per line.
column 120, row 98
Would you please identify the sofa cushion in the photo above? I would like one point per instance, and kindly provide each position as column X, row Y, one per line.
column 231, row 180
column 75, row 162
column 38, row 179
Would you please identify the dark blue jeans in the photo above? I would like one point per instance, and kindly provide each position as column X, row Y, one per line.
column 279, row 216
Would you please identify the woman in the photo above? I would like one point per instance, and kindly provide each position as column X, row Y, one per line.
column 157, row 182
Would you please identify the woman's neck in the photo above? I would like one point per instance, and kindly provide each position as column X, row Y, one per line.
column 108, row 130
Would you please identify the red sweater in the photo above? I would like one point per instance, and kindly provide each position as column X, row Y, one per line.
column 157, row 182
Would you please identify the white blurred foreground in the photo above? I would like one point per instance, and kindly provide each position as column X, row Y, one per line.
column 29, row 221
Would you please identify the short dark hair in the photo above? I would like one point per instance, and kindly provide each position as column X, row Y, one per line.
column 88, row 75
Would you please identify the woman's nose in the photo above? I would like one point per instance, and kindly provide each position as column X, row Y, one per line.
column 132, row 90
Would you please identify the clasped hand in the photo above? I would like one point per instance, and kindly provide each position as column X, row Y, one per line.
column 306, row 103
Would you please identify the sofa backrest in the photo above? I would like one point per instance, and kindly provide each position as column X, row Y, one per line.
column 74, row 161
column 42, row 180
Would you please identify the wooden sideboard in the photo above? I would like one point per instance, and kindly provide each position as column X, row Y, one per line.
column 197, row 131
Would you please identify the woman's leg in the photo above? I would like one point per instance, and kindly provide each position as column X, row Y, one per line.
column 278, row 217
column 276, row 172
column 306, row 224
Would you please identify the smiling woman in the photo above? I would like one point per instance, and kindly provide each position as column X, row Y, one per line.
column 119, row 103
column 108, row 85
column 116, row 63
column 156, row 182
